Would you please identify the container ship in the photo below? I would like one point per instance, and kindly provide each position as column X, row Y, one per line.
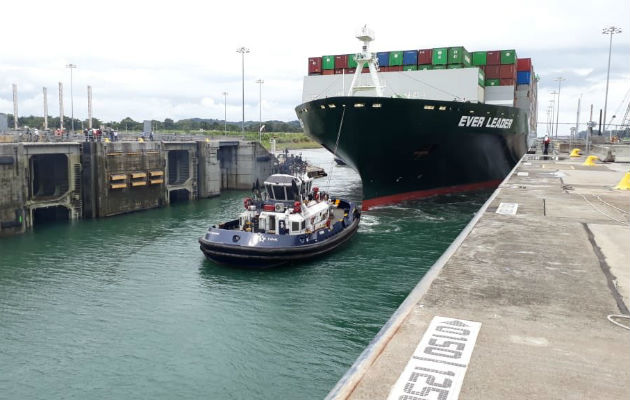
column 425, row 122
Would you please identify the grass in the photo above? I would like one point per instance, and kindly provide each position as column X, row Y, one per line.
column 284, row 140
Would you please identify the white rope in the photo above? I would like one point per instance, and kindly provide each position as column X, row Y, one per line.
column 611, row 316
column 611, row 206
column 600, row 211
column 332, row 166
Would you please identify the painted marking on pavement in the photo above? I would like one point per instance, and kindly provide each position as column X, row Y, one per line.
column 522, row 173
column 438, row 365
column 507, row 208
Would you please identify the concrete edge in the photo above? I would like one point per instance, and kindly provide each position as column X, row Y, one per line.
column 348, row 382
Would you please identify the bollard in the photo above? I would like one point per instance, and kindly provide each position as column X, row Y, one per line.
column 575, row 153
column 624, row 183
column 590, row 161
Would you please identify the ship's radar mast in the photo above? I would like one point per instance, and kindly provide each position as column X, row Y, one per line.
column 366, row 35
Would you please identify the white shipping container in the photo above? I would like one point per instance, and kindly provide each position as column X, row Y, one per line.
column 447, row 85
column 500, row 94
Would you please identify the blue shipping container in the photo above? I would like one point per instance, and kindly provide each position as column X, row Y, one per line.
column 410, row 57
column 523, row 77
column 383, row 58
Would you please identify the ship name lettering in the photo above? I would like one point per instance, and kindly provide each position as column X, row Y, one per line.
column 473, row 122
column 503, row 123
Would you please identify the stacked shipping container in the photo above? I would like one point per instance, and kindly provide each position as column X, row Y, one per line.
column 499, row 67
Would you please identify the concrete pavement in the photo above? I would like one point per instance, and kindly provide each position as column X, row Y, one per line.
column 541, row 282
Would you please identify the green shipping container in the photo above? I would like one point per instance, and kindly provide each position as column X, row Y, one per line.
column 493, row 82
column 440, row 56
column 454, row 66
column 352, row 62
column 395, row 58
column 424, row 66
column 508, row 57
column 458, row 55
column 328, row 62
column 479, row 58
column 410, row 68
column 439, row 67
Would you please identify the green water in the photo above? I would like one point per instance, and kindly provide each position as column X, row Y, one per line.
column 128, row 308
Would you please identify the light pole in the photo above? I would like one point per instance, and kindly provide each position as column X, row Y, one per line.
column 243, row 51
column 260, row 82
column 611, row 30
column 553, row 111
column 225, row 112
column 71, row 67
column 559, row 80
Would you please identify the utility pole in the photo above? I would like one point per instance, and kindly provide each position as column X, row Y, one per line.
column 577, row 122
column 61, row 107
column 71, row 67
column 553, row 111
column 611, row 30
column 225, row 112
column 15, row 107
column 260, row 82
column 89, row 89
column 45, row 109
column 559, row 80
column 243, row 51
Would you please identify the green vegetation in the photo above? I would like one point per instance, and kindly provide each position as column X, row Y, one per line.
column 191, row 125
column 287, row 134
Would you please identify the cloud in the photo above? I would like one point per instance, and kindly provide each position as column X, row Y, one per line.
column 176, row 60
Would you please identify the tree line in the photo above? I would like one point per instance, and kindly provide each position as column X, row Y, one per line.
column 184, row 125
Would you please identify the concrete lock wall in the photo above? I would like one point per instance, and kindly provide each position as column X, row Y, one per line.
column 181, row 169
column 209, row 170
column 128, row 176
column 44, row 181
column 38, row 181
column 13, row 189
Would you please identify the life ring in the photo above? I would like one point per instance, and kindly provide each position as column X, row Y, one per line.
column 247, row 202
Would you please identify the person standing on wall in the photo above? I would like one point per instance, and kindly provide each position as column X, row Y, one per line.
column 546, row 142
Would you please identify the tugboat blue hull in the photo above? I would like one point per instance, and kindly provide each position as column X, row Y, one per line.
column 264, row 250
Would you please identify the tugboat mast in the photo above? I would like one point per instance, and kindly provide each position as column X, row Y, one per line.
column 366, row 35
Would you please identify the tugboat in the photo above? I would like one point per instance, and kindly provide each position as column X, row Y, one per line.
column 289, row 220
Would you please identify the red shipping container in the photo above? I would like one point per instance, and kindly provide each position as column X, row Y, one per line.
column 314, row 65
column 341, row 61
column 365, row 70
column 492, row 71
column 524, row 64
column 493, row 58
column 506, row 82
column 350, row 70
column 328, row 72
column 384, row 69
column 396, row 68
column 507, row 71
column 425, row 56
column 338, row 71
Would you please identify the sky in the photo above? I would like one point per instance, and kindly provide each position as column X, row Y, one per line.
column 175, row 59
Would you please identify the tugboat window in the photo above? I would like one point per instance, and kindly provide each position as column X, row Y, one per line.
column 269, row 191
column 295, row 226
column 272, row 223
column 278, row 192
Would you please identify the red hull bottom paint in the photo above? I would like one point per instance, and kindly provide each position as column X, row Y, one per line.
column 419, row 194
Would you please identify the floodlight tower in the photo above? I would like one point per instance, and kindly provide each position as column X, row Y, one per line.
column 366, row 35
